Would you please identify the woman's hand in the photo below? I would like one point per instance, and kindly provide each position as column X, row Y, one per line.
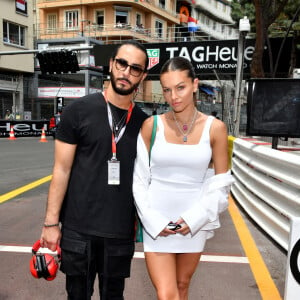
column 166, row 232
column 185, row 229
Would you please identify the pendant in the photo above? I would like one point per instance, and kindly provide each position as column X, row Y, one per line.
column 185, row 127
column 184, row 138
column 117, row 128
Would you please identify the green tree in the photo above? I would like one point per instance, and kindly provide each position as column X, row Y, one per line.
column 241, row 8
column 265, row 14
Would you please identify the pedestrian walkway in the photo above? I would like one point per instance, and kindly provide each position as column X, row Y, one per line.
column 231, row 268
column 239, row 263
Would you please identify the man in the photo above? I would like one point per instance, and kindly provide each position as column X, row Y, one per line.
column 8, row 115
column 91, row 188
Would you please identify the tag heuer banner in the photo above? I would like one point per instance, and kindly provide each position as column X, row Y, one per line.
column 207, row 57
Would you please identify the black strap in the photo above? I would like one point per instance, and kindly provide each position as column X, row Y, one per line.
column 153, row 135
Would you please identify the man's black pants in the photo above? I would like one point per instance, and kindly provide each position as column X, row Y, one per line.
column 83, row 257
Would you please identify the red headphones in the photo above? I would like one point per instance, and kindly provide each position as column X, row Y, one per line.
column 44, row 265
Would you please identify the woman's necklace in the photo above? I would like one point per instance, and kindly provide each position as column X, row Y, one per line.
column 185, row 130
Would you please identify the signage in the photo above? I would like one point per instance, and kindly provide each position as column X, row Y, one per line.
column 207, row 56
column 21, row 6
column 292, row 278
column 153, row 57
column 68, row 92
column 23, row 128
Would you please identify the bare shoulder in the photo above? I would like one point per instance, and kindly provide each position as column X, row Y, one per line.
column 218, row 125
column 218, row 131
column 147, row 125
column 146, row 130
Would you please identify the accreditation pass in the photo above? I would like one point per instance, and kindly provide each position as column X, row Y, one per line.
column 113, row 171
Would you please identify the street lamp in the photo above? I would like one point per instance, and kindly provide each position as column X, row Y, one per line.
column 244, row 28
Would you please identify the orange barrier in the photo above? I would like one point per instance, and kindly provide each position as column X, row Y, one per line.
column 12, row 134
column 43, row 136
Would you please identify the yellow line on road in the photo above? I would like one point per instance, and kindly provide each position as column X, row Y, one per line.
column 267, row 288
column 24, row 189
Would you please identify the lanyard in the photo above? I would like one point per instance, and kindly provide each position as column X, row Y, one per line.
column 114, row 140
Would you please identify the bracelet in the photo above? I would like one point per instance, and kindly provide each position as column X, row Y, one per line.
column 51, row 225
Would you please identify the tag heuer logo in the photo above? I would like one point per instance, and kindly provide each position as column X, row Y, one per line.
column 153, row 57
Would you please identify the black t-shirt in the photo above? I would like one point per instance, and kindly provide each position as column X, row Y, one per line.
column 91, row 206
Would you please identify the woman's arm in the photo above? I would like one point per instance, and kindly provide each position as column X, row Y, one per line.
column 219, row 145
column 153, row 222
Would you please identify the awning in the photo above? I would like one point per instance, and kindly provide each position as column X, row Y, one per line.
column 207, row 90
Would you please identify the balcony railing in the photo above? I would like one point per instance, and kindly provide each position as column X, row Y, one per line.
column 106, row 33
column 115, row 33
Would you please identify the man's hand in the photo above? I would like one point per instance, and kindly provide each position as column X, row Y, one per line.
column 50, row 237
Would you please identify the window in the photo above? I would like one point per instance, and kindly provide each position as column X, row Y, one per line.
column 51, row 23
column 138, row 19
column 214, row 25
column 223, row 28
column 100, row 18
column 13, row 33
column 121, row 17
column 71, row 19
column 162, row 3
column 158, row 29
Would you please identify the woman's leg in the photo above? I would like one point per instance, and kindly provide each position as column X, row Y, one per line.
column 186, row 264
column 162, row 270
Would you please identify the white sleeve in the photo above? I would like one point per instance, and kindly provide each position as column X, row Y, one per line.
column 213, row 200
column 153, row 222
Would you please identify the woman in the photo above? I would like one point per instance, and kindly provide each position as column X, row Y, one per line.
column 177, row 185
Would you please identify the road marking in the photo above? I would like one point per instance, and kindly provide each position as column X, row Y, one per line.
column 224, row 259
column 266, row 285
column 268, row 289
column 211, row 258
column 23, row 189
column 21, row 249
column 204, row 258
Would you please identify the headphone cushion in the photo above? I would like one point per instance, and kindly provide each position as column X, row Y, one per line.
column 51, row 266
column 43, row 265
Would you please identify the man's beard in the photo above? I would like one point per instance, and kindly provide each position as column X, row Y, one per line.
column 121, row 91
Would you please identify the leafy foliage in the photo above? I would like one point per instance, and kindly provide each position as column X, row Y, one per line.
column 268, row 18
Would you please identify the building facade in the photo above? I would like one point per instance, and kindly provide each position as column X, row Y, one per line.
column 61, row 23
column 107, row 21
column 16, row 33
column 215, row 19
column 57, row 24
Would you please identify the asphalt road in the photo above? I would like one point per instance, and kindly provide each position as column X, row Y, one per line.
column 224, row 272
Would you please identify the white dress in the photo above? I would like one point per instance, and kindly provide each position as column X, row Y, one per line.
column 172, row 188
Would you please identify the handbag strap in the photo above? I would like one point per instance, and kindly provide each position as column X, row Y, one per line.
column 153, row 135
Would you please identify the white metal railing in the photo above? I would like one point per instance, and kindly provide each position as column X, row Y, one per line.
column 116, row 32
column 267, row 186
column 227, row 33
